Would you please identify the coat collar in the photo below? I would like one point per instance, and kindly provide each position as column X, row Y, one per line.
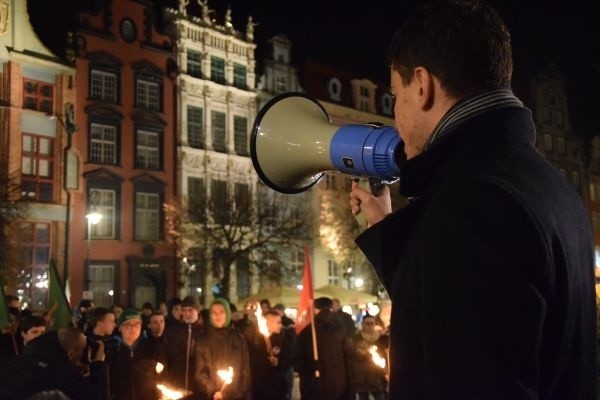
column 473, row 141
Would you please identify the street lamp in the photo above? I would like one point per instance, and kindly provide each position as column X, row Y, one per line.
column 93, row 218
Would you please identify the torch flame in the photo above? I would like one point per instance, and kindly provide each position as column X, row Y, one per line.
column 377, row 359
column 168, row 393
column 262, row 322
column 226, row 375
column 159, row 367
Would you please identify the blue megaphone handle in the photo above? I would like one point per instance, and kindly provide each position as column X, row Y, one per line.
column 366, row 150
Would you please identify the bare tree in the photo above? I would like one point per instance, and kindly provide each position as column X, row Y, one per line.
column 214, row 234
column 10, row 255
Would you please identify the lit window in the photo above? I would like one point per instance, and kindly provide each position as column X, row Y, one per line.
column 101, row 281
column 104, row 202
column 37, row 164
column 147, row 213
column 103, row 85
column 103, row 144
column 333, row 272
column 147, row 94
column 147, row 150
column 38, row 95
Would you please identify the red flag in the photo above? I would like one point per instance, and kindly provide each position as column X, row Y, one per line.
column 303, row 317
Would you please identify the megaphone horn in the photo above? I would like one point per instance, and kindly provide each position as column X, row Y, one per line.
column 293, row 143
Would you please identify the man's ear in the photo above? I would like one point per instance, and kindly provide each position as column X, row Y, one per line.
column 425, row 87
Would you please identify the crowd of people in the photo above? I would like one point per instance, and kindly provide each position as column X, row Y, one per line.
column 122, row 353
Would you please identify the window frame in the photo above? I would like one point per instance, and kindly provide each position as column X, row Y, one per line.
column 35, row 178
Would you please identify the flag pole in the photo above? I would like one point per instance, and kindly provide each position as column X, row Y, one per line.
column 314, row 339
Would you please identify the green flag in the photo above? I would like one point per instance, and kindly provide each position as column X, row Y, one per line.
column 58, row 306
column 4, row 318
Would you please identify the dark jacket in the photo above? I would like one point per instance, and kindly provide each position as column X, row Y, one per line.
column 179, row 341
column 333, row 347
column 269, row 382
column 44, row 366
column 133, row 373
column 490, row 270
column 220, row 348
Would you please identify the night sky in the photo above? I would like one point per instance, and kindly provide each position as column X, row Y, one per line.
column 354, row 36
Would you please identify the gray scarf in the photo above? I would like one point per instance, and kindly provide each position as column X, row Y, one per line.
column 470, row 107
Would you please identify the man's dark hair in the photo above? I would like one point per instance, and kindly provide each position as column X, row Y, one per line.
column 27, row 323
column 155, row 313
column 147, row 305
column 323, row 303
column 464, row 43
column 97, row 314
column 273, row 313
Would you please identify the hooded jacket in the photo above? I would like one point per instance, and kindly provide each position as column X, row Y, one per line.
column 44, row 365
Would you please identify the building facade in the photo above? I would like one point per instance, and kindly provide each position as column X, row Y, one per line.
column 37, row 97
column 125, row 144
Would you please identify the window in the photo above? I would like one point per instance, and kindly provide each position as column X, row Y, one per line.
column 243, row 277
column 217, row 70
column 147, row 214
column 576, row 179
column 38, row 95
column 546, row 117
column 240, row 135
column 333, row 272
column 559, row 118
column 364, row 105
column 560, row 146
column 297, row 263
column 547, row 143
column 35, row 257
column 147, row 150
column 242, row 203
column 37, row 163
column 220, row 201
column 280, row 84
column 219, row 139
column 103, row 201
column 103, row 144
column 196, row 196
column 194, row 63
column 364, row 92
column 239, row 76
column 147, row 94
column 104, row 85
column 195, row 129
column 102, row 282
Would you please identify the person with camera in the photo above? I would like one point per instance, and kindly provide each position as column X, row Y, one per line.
column 101, row 325
column 132, row 366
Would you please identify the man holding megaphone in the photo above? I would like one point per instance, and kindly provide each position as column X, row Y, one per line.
column 490, row 266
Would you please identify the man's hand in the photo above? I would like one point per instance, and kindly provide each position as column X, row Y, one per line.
column 374, row 208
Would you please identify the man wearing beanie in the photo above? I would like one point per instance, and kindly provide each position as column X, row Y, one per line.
column 333, row 349
column 222, row 347
column 179, row 341
column 132, row 366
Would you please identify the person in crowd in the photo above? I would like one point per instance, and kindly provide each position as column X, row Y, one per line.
column 101, row 325
column 12, row 301
column 133, row 374
column 80, row 314
column 163, row 308
column 270, row 360
column 156, row 326
column 325, row 376
column 369, row 378
column 289, row 330
column 51, row 362
column 490, row 266
column 146, row 312
column 9, row 340
column 116, row 309
column 174, row 314
column 222, row 347
column 179, row 342
column 30, row 328
column 345, row 319
column 265, row 306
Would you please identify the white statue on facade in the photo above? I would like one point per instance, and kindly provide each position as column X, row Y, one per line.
column 205, row 11
column 250, row 29
column 182, row 6
column 228, row 23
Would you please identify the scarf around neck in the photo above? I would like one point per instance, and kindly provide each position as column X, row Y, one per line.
column 470, row 107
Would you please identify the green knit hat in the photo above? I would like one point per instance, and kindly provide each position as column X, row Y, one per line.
column 225, row 303
column 127, row 315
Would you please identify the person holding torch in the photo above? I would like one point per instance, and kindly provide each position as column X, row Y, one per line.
column 222, row 351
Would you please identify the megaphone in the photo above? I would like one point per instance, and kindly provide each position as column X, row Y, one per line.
column 293, row 143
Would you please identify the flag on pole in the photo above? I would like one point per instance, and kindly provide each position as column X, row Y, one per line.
column 59, row 310
column 303, row 317
column 4, row 318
